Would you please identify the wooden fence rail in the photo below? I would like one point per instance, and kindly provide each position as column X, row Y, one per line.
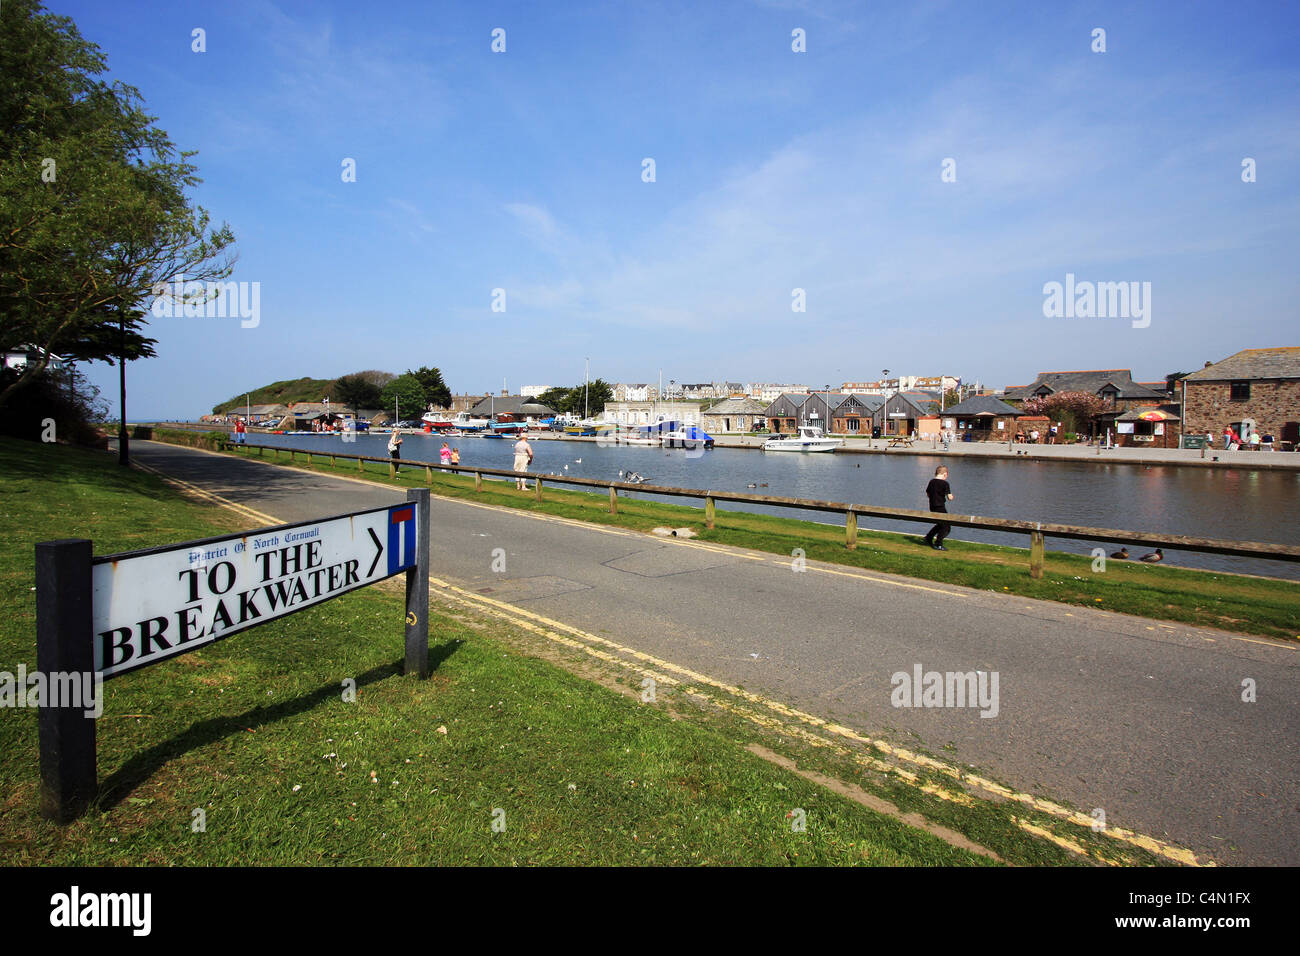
column 1038, row 531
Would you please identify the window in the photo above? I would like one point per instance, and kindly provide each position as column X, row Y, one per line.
column 1239, row 391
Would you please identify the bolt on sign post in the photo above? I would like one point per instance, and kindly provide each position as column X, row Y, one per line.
column 100, row 617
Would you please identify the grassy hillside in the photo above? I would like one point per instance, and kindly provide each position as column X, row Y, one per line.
column 291, row 390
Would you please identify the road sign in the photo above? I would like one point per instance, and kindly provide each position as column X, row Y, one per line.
column 100, row 617
column 152, row 605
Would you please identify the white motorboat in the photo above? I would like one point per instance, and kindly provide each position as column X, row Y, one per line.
column 464, row 421
column 810, row 438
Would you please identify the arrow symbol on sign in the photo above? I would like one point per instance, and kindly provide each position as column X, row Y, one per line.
column 379, row 549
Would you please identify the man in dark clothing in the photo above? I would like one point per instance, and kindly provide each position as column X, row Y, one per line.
column 939, row 493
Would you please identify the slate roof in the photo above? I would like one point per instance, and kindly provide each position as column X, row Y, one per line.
column 1251, row 364
column 981, row 403
column 737, row 406
column 503, row 405
column 1086, row 381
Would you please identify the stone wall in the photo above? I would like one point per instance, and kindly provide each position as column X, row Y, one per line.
column 1272, row 404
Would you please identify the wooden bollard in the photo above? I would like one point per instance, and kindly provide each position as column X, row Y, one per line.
column 1036, row 549
column 708, row 511
column 613, row 500
column 332, row 461
column 478, row 481
column 537, row 489
column 850, row 529
column 277, row 454
column 428, row 475
column 360, row 465
column 309, row 458
column 291, row 454
column 392, row 469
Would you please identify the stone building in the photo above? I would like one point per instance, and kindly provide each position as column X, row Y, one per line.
column 1259, row 385
column 983, row 417
column 734, row 415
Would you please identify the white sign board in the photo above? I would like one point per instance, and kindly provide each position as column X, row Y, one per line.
column 156, row 604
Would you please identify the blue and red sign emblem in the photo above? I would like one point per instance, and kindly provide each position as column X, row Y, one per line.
column 401, row 538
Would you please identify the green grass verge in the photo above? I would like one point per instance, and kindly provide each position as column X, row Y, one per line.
column 1232, row 602
column 255, row 733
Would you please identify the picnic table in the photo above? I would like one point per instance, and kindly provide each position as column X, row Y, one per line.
column 900, row 441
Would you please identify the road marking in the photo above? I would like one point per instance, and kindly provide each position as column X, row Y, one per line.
column 1251, row 640
column 208, row 495
column 538, row 623
column 871, row 577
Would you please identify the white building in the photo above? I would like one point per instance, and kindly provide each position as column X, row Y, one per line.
column 639, row 392
column 647, row 413
column 24, row 355
column 770, row 393
column 903, row 383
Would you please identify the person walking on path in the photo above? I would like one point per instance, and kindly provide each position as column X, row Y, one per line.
column 395, row 450
column 523, row 458
column 940, row 493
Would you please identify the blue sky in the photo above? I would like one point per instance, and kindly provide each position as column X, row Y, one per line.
column 774, row 170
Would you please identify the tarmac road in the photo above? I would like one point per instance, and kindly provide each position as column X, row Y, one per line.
column 1140, row 718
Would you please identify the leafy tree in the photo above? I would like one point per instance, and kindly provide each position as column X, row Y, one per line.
column 436, row 392
column 356, row 392
column 59, row 405
column 556, row 398
column 92, row 198
column 1075, row 410
column 408, row 394
column 570, row 401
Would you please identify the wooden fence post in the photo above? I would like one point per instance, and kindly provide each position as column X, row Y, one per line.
column 309, row 458
column 1036, row 549
column 478, row 481
column 392, row 469
column 613, row 500
column 537, row 489
column 428, row 475
column 332, row 461
column 850, row 530
column 360, row 465
column 709, row 513
column 417, row 590
column 64, row 647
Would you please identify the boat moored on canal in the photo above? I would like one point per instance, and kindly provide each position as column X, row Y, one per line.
column 810, row 439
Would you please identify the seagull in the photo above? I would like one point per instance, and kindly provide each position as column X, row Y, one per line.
column 566, row 467
column 577, row 461
column 1152, row 558
column 751, row 485
column 1121, row 554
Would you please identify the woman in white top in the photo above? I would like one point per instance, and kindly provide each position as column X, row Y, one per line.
column 523, row 458
column 395, row 449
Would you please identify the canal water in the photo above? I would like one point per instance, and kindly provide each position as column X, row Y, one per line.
column 1238, row 504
